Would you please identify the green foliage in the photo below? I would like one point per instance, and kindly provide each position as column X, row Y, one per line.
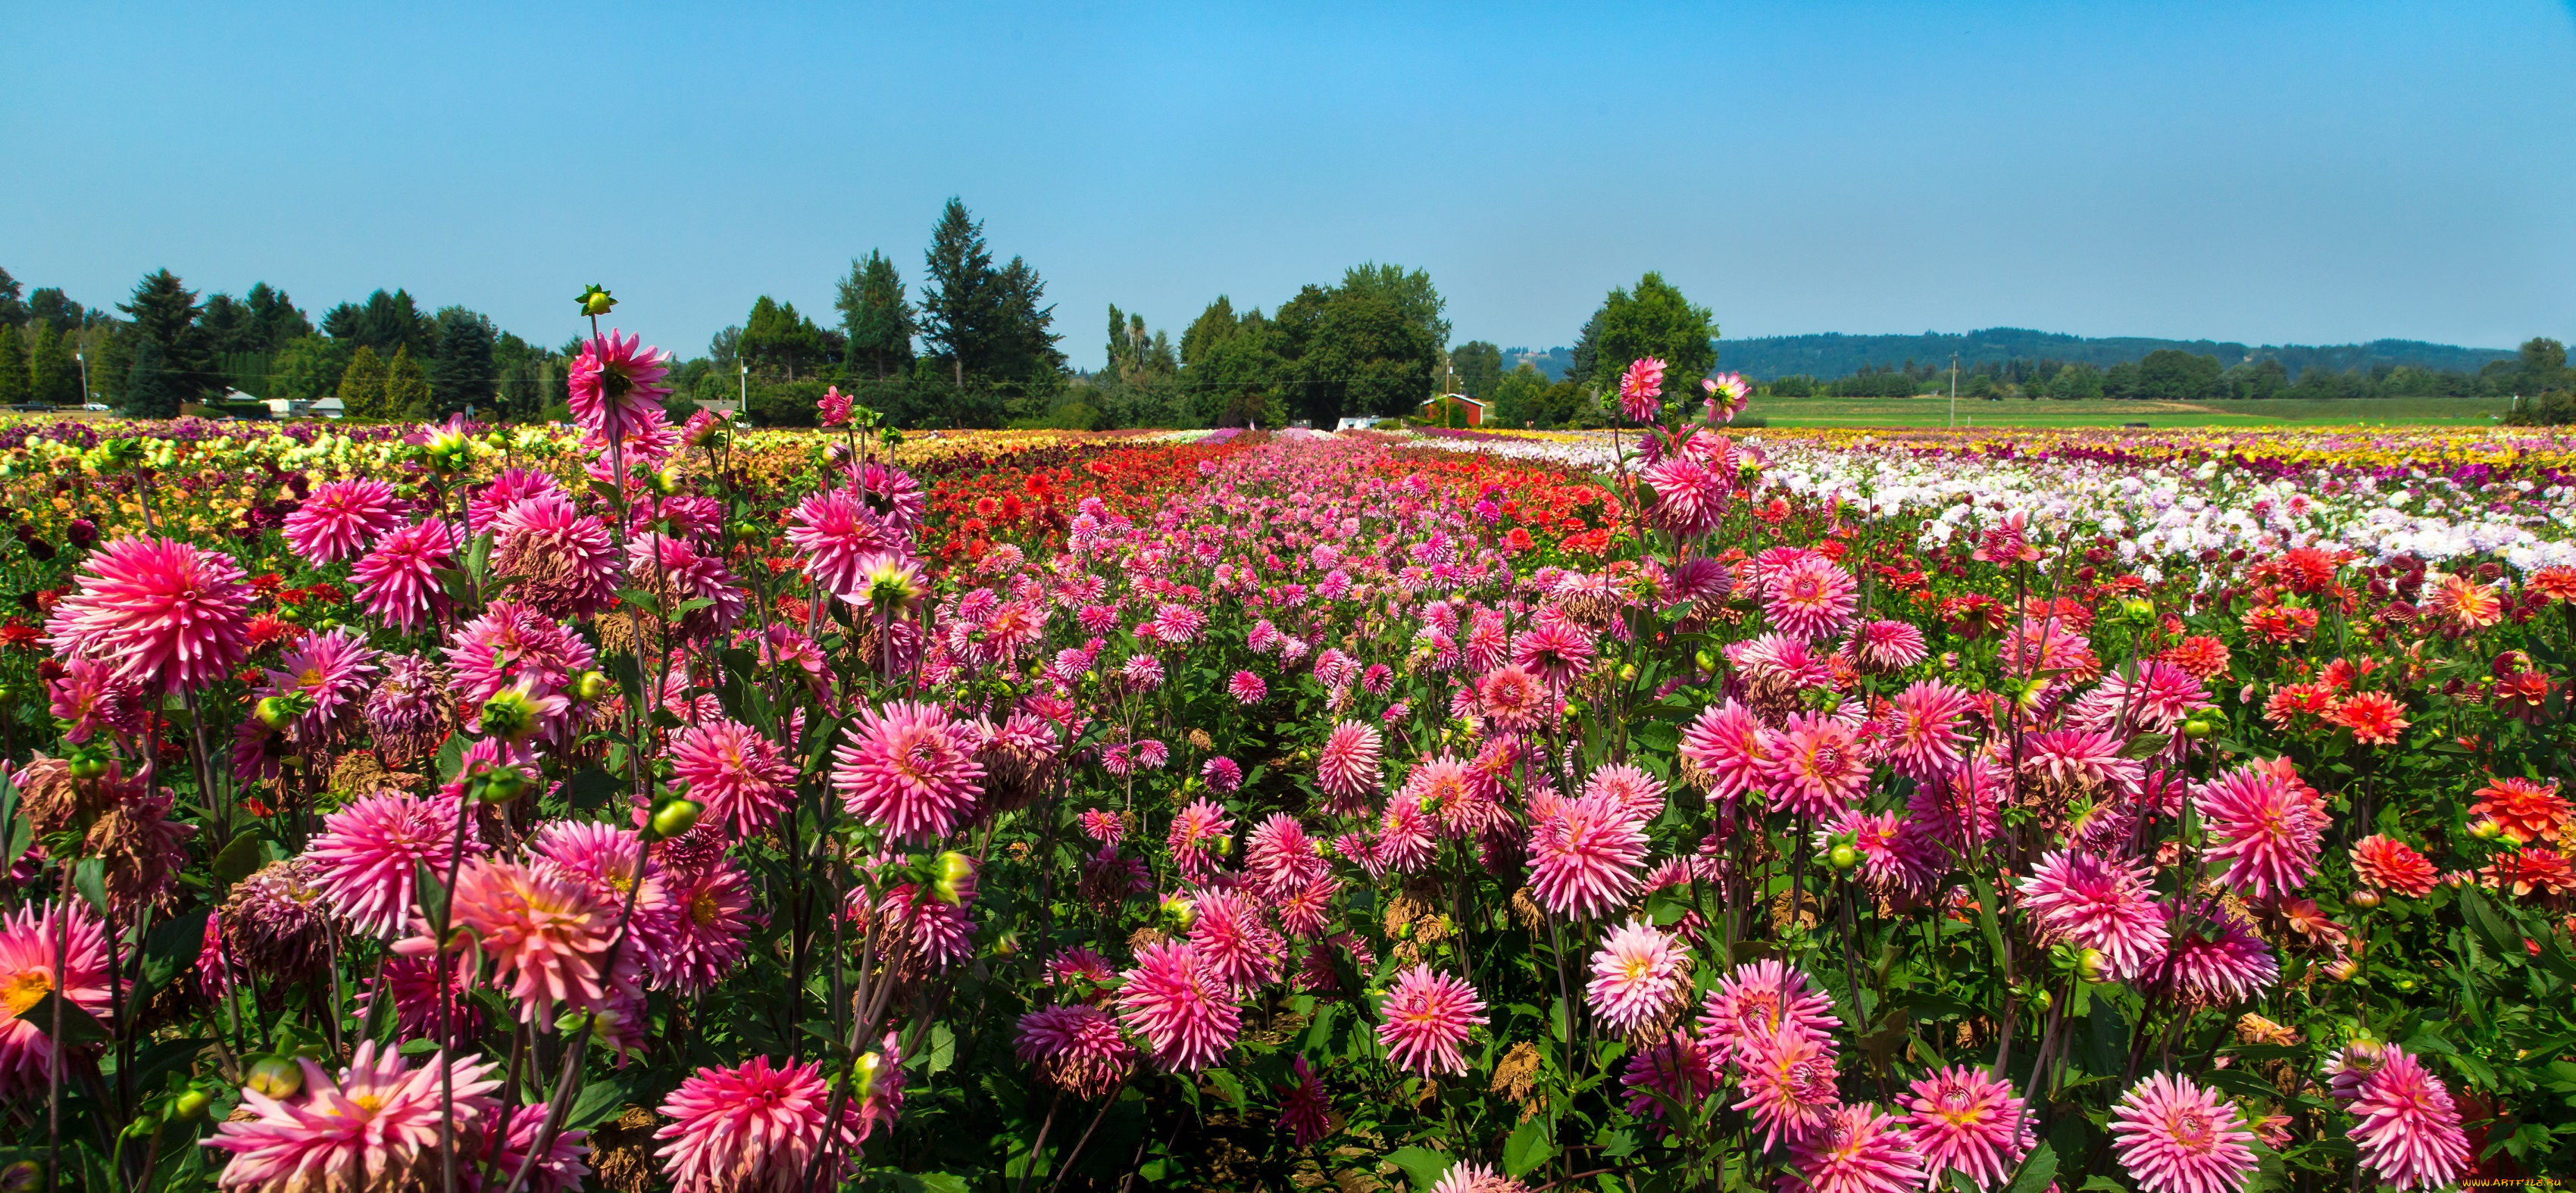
column 876, row 317
column 165, row 314
column 776, row 341
column 14, row 383
column 1478, row 367
column 463, row 374
column 2172, row 375
column 54, row 377
column 982, row 321
column 1650, row 319
column 1525, row 397
column 151, row 390
column 308, row 368
column 407, row 392
column 362, row 384
column 387, row 323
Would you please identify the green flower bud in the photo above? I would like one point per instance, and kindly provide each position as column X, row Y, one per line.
column 2092, row 966
column 500, row 784
column 88, row 766
column 21, row 1176
column 277, row 712
column 1843, row 857
column 2486, row 830
column 2198, row 730
column 592, row 687
column 511, row 714
column 275, row 1077
column 595, row 301
column 954, row 873
column 191, row 1105
column 676, row 817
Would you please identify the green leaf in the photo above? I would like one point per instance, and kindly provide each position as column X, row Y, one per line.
column 600, row 1097
column 173, row 945
column 2481, row 914
column 943, row 1047
column 451, row 757
column 2038, row 1170
column 242, row 856
column 79, row 1026
column 928, row 1182
column 1529, row 1147
column 478, row 558
column 89, row 877
column 592, row 787
column 1423, row 1165
column 2145, row 745
column 1227, row 1086
column 431, row 892
column 1660, row 735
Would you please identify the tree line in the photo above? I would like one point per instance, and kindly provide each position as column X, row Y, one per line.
column 2174, row 375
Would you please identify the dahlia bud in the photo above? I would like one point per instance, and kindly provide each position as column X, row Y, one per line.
column 275, row 1077
column 595, row 301
column 2137, row 609
column 2343, row 969
column 2199, row 730
column 675, row 817
column 511, row 714
column 2486, row 830
column 592, row 687
column 2091, row 965
column 90, row 764
column 1627, row 673
column 954, row 872
column 1706, row 660
column 499, row 784
column 1178, row 910
column 863, row 1075
column 667, row 482
column 1843, row 857
column 190, row 1105
column 2365, row 898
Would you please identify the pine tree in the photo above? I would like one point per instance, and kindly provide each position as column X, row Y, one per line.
column 165, row 312
column 13, row 367
column 55, row 375
column 151, row 391
column 111, row 362
column 876, row 316
column 463, row 375
column 957, row 299
column 407, row 392
column 362, row 384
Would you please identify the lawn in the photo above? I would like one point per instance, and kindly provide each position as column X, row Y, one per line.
column 1935, row 412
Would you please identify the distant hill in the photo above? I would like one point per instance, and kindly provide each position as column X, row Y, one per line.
column 1833, row 354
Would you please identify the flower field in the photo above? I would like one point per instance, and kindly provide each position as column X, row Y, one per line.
column 634, row 806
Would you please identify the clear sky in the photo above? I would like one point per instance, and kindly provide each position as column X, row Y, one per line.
column 2270, row 172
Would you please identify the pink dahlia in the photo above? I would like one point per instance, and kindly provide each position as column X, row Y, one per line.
column 1180, row 1005
column 1198, row 832
column 1346, row 769
column 2263, row 828
column 164, row 614
column 1234, row 942
column 1631, row 787
column 1641, row 390
column 1512, row 700
column 1639, row 975
column 1788, row 1085
column 2406, row 1128
column 1818, row 766
column 567, row 563
column 1223, row 775
column 1926, row 735
column 1078, row 1048
column 672, row 570
column 376, row 1126
column 89, row 698
column 1967, row 1121
column 1407, row 835
column 1811, row 599
column 1690, row 496
column 1468, row 1177
column 614, row 383
column 837, row 537
column 412, row 987
column 1886, row 647
column 1856, row 1149
column 546, row 932
column 29, row 939
column 512, row 486
column 2175, row 1137
column 1247, row 688
column 2147, row 693
column 1587, row 855
column 515, row 646
column 755, row 1128
column 743, row 779
column 893, row 495
column 1763, row 999
column 1679, row 1069
column 707, row 930
column 341, row 518
column 330, row 669
column 398, row 581
column 2212, row 956
column 909, row 770
column 369, row 852
column 1425, row 1018
column 408, row 713
column 1729, row 748
column 1304, row 1111
column 1555, row 648
column 2091, row 902
column 1278, row 855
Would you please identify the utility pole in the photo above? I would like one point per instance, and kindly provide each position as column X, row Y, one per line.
column 744, row 402
column 1954, row 391
column 83, row 358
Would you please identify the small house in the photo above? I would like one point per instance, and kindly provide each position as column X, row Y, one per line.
column 1471, row 413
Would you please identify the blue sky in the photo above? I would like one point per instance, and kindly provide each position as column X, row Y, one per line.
column 2277, row 172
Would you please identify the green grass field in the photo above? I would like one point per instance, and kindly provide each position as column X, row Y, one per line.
column 1935, row 412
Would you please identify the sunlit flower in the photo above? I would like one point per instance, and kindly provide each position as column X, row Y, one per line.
column 369, row 852
column 2525, row 810
column 341, row 518
column 398, row 581
column 908, row 769
column 1856, row 1149
column 376, row 1125
column 1078, row 1048
column 2175, row 1137
column 1425, row 1018
column 2405, row 1128
column 2393, row 865
column 743, row 779
column 614, row 383
column 2094, row 903
column 1638, row 975
column 1788, row 1085
column 30, row 938
column 166, row 615
column 1587, row 855
column 756, row 1128
column 1967, row 1121
column 2263, row 828
column 1346, row 769
column 1180, row 1005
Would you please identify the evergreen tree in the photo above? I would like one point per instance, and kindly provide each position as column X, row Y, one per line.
column 12, row 311
column 165, row 313
column 957, row 299
column 111, row 364
column 463, row 374
column 876, row 316
column 54, row 374
column 51, row 305
column 14, row 384
column 1023, row 338
column 151, row 390
column 407, row 392
column 776, row 339
column 387, row 323
column 274, row 318
column 362, row 384
column 225, row 326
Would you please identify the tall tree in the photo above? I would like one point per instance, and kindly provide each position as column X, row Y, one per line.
column 1022, row 341
column 407, row 392
column 111, row 363
column 151, row 390
column 14, row 382
column 50, row 305
column 165, row 313
column 876, row 316
column 1215, row 323
column 1652, row 319
column 227, row 327
column 957, row 299
column 1138, row 356
column 362, row 384
column 462, row 375
column 1409, row 292
column 12, row 310
column 776, row 339
column 54, row 376
column 1478, row 366
column 274, row 317
column 386, row 323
